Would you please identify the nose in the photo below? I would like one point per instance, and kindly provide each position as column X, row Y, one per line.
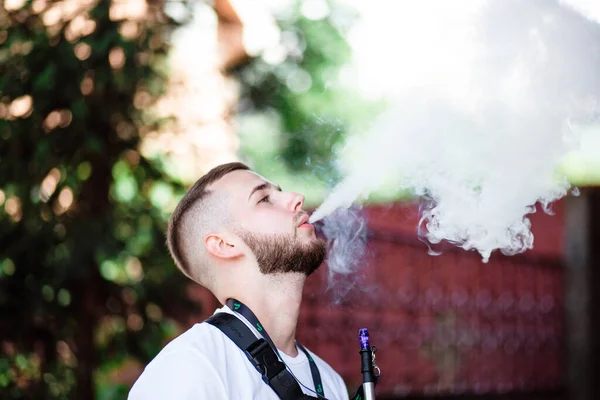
column 296, row 202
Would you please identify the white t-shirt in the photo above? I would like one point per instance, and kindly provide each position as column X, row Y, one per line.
column 203, row 363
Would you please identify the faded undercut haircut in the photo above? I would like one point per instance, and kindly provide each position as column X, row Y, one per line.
column 199, row 212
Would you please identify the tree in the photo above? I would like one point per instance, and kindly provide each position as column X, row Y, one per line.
column 84, row 273
column 296, row 92
column 86, row 283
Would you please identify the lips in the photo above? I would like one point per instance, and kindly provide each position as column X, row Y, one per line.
column 303, row 220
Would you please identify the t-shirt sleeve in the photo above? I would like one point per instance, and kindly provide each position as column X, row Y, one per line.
column 179, row 376
column 342, row 389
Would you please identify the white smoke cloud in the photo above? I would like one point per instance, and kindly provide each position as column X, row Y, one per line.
column 588, row 8
column 488, row 100
column 346, row 233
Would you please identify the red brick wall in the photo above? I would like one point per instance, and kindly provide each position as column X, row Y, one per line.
column 449, row 323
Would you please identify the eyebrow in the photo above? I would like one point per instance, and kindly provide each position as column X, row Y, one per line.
column 263, row 186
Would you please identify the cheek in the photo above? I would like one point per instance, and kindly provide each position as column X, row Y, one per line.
column 269, row 222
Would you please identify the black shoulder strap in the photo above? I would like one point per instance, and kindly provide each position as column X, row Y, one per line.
column 249, row 316
column 261, row 355
column 314, row 370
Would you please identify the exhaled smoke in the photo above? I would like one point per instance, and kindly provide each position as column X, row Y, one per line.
column 480, row 130
column 346, row 234
column 588, row 8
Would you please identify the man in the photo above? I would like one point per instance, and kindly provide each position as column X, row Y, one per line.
column 243, row 238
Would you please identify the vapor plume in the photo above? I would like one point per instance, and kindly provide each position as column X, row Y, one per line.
column 488, row 99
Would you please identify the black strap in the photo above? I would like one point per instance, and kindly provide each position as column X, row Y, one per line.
column 314, row 371
column 238, row 306
column 261, row 356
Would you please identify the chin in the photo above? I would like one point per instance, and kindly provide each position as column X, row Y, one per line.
column 306, row 232
column 307, row 239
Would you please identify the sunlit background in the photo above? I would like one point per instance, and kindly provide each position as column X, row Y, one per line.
column 109, row 110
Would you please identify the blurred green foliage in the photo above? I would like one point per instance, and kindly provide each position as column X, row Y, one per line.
column 296, row 111
column 87, row 288
column 84, row 273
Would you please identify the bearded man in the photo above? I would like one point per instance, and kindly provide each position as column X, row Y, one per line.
column 251, row 245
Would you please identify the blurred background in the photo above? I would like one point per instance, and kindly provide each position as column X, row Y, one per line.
column 110, row 109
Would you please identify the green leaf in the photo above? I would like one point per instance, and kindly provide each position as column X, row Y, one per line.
column 45, row 80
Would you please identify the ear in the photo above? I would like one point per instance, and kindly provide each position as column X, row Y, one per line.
column 222, row 246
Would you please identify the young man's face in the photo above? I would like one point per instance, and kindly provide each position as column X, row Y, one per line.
column 272, row 223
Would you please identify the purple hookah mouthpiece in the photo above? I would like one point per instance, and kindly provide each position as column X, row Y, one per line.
column 366, row 364
column 363, row 336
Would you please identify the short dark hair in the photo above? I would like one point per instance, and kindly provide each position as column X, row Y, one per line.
column 177, row 240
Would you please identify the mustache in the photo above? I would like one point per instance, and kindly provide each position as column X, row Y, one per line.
column 300, row 215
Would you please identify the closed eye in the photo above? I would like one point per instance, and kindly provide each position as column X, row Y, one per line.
column 264, row 200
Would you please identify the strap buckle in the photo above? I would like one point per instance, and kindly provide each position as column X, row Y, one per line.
column 273, row 370
column 265, row 359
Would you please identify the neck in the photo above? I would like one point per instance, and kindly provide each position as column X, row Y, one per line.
column 276, row 303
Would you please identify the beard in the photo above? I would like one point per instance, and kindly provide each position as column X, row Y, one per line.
column 284, row 253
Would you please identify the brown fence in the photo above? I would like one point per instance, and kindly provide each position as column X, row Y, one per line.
column 445, row 325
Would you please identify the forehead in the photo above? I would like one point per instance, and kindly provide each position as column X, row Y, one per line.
column 238, row 184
